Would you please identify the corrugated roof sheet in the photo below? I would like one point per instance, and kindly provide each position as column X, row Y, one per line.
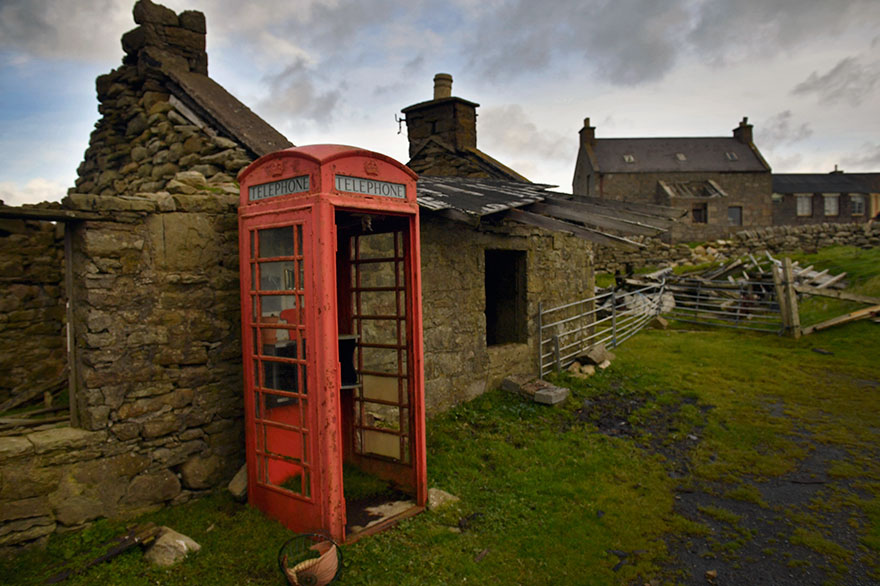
column 819, row 183
column 477, row 197
column 670, row 155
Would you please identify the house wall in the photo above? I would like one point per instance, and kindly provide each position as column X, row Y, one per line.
column 33, row 347
column 458, row 363
column 751, row 191
column 785, row 210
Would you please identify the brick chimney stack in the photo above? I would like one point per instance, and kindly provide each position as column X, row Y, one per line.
column 451, row 121
column 588, row 134
column 743, row 132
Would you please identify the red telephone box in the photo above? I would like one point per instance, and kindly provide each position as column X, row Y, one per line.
column 332, row 338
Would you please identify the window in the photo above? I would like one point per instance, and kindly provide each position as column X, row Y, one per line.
column 700, row 214
column 832, row 204
column 506, row 310
column 681, row 157
column 857, row 205
column 804, row 205
column 735, row 216
column 629, row 158
column 731, row 156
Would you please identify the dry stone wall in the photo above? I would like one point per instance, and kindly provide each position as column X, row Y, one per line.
column 158, row 379
column 32, row 305
column 776, row 240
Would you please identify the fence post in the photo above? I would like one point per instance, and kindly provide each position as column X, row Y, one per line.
column 780, row 298
column 556, row 352
column 791, row 297
column 540, row 340
column 614, row 318
column 699, row 294
column 739, row 303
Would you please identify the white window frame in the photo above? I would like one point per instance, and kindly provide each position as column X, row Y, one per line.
column 857, row 204
column 804, row 210
column 831, row 209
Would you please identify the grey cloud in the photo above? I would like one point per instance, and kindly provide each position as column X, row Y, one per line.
column 64, row 29
column 294, row 93
column 736, row 29
column 626, row 41
column 868, row 159
column 782, row 129
column 851, row 81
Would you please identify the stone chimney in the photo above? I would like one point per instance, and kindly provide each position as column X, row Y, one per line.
column 588, row 134
column 450, row 120
column 166, row 37
column 743, row 132
column 442, row 86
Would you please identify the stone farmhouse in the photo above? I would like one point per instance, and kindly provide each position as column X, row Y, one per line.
column 816, row 198
column 130, row 303
column 723, row 184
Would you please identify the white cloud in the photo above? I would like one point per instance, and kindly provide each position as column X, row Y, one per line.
column 34, row 191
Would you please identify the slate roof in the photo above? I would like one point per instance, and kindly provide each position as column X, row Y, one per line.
column 819, row 183
column 223, row 111
column 660, row 155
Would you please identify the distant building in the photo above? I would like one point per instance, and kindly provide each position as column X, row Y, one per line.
column 815, row 198
column 723, row 183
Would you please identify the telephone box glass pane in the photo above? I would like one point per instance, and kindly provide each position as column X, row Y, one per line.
column 276, row 242
column 280, row 376
column 278, row 275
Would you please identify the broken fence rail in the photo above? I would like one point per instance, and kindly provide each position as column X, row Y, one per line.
column 567, row 331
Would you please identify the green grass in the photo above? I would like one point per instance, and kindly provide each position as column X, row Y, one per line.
column 547, row 498
column 862, row 267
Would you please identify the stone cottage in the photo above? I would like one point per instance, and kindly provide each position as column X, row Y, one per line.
column 722, row 183
column 816, row 198
column 148, row 292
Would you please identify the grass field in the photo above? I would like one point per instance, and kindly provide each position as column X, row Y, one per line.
column 696, row 451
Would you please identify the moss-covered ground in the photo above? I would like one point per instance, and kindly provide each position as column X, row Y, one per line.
column 749, row 455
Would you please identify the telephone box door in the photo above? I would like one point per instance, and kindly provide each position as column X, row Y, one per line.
column 281, row 415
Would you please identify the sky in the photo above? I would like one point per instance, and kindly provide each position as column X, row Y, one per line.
column 805, row 72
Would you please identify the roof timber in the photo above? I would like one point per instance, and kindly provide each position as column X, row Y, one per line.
column 548, row 223
column 598, row 217
column 642, row 209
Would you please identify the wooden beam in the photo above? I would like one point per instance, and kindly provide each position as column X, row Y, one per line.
column 645, row 209
column 621, row 213
column 836, row 294
column 594, row 216
column 842, row 319
column 49, row 215
column 579, row 231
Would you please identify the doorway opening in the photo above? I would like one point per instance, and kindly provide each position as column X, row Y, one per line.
column 375, row 353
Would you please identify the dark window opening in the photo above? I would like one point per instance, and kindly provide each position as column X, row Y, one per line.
column 700, row 214
column 505, row 297
column 735, row 215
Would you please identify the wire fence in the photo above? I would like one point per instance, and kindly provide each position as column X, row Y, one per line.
column 567, row 331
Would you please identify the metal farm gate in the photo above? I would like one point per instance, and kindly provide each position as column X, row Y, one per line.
column 567, row 331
